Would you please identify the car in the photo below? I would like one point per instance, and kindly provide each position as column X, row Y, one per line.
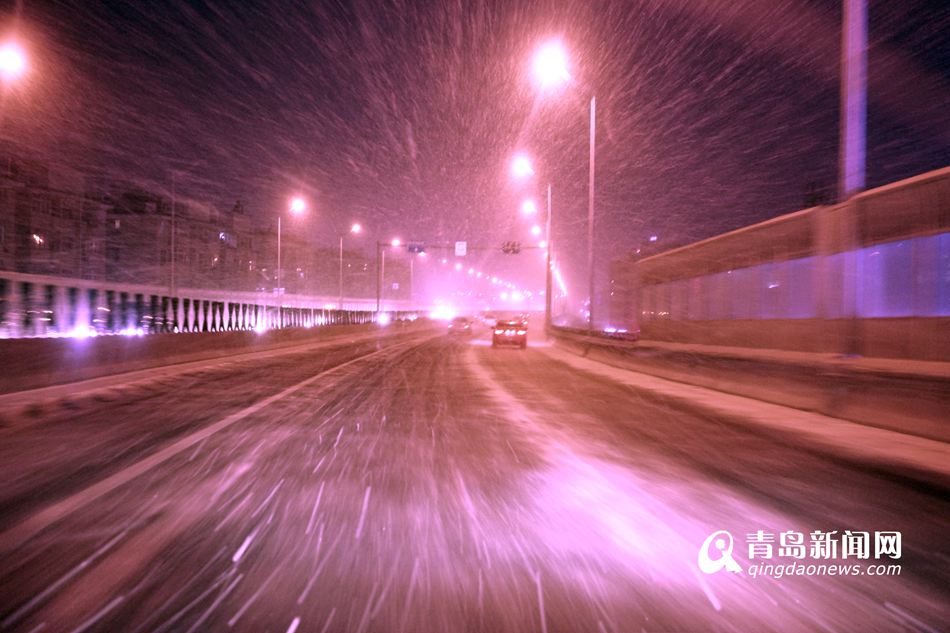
column 460, row 325
column 510, row 332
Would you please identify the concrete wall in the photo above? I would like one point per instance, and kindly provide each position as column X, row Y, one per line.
column 878, row 393
column 34, row 363
column 911, row 338
column 869, row 277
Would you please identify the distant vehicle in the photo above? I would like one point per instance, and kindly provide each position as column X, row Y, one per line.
column 460, row 325
column 510, row 332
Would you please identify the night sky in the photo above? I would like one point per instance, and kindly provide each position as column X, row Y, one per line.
column 712, row 114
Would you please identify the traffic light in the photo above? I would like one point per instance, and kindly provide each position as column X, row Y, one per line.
column 416, row 247
column 511, row 248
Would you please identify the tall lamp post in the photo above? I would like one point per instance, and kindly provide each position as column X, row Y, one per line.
column 381, row 266
column 354, row 230
column 297, row 207
column 853, row 111
column 521, row 168
column 550, row 70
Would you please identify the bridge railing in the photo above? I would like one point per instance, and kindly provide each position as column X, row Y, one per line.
column 39, row 305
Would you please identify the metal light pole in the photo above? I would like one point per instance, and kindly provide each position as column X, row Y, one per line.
column 280, row 308
column 548, row 272
column 590, row 214
column 380, row 263
column 550, row 70
column 355, row 229
column 853, row 124
column 297, row 206
column 173, row 289
column 853, row 130
column 379, row 281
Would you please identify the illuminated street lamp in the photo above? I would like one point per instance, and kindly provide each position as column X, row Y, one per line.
column 535, row 230
column 381, row 267
column 521, row 167
column 297, row 207
column 356, row 229
column 550, row 71
column 550, row 65
column 12, row 61
column 529, row 208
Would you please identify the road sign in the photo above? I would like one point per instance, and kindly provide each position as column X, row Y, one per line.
column 460, row 249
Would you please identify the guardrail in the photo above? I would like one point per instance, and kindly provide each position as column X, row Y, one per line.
column 38, row 305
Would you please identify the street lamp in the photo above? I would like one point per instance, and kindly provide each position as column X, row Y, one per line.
column 550, row 71
column 521, row 167
column 297, row 207
column 550, row 65
column 528, row 207
column 12, row 61
column 356, row 229
column 524, row 171
column 381, row 267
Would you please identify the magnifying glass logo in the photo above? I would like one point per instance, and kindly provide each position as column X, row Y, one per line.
column 721, row 542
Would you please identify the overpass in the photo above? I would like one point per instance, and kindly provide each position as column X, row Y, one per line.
column 45, row 306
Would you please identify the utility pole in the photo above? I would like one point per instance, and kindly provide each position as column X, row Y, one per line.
column 380, row 262
column 340, row 306
column 853, row 117
column 280, row 310
column 548, row 272
column 590, row 216
column 173, row 280
column 853, row 130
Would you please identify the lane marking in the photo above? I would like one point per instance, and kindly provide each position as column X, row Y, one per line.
column 22, row 532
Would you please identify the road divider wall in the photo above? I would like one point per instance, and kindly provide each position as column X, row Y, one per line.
column 906, row 396
column 42, row 362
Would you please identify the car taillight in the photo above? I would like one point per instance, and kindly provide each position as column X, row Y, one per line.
column 499, row 331
column 522, row 331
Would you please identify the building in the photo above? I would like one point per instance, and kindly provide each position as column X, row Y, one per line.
column 44, row 230
column 118, row 231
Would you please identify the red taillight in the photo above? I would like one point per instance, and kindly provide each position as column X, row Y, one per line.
column 499, row 331
column 522, row 331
